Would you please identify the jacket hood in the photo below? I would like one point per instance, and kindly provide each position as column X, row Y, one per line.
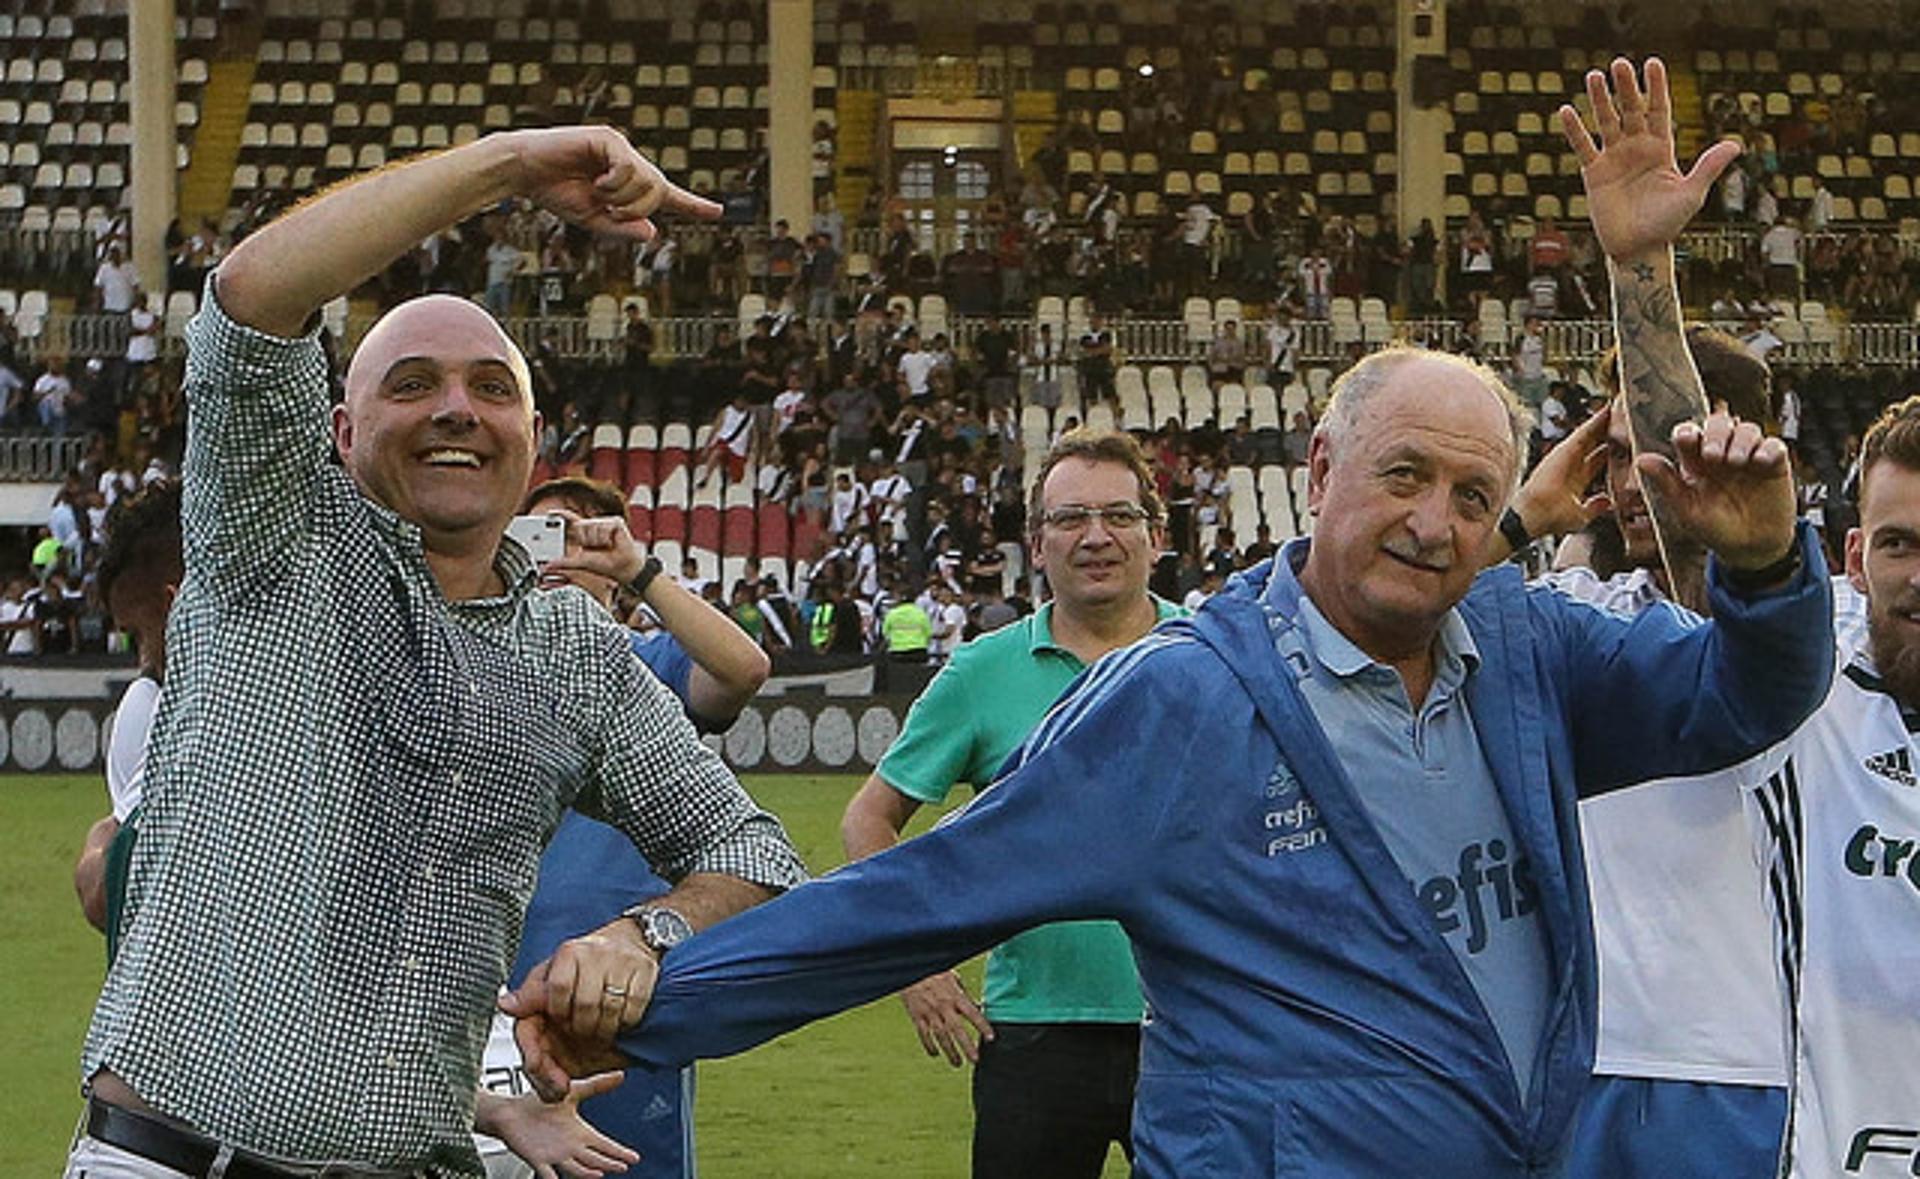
column 1233, row 623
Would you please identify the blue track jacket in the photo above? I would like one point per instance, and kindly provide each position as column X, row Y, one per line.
column 1306, row 1018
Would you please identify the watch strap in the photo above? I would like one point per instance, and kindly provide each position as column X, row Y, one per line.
column 649, row 569
column 1514, row 529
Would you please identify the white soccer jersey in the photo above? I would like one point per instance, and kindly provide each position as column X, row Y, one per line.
column 1687, row 989
column 127, row 748
column 1836, row 817
column 1685, row 958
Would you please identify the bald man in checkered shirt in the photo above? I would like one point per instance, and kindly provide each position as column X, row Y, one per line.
column 374, row 720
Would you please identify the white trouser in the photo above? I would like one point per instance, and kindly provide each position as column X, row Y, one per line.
column 96, row 1160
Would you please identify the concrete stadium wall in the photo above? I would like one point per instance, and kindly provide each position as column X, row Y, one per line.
column 800, row 734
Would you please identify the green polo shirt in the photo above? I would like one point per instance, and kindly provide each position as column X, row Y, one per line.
column 991, row 694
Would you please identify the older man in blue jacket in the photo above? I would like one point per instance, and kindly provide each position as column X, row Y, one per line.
column 1335, row 812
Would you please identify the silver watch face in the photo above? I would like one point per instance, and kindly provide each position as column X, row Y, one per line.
column 663, row 929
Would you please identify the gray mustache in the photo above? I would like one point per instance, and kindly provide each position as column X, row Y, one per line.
column 1438, row 558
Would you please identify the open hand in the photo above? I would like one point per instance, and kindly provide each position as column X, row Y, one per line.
column 554, row 1139
column 946, row 1018
column 1636, row 194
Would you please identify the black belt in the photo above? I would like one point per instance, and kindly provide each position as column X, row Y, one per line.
column 183, row 1150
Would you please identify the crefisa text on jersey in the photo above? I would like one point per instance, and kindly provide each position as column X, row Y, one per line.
column 1869, row 853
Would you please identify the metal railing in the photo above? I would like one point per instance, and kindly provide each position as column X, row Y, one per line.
column 39, row 458
column 1148, row 339
column 1731, row 242
column 1172, row 341
column 956, row 77
column 86, row 337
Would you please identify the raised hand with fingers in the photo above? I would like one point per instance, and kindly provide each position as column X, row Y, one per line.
column 1728, row 486
column 1554, row 501
column 602, row 545
column 946, row 1018
column 1637, row 196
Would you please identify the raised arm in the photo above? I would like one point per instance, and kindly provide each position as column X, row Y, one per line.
column 327, row 246
column 1640, row 202
column 257, row 439
column 728, row 666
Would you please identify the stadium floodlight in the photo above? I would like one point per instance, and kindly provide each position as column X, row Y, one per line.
column 1146, row 69
column 950, row 156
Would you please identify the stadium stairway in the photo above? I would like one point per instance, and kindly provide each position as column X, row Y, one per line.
column 1035, row 114
column 208, row 182
column 857, row 116
column 1689, row 113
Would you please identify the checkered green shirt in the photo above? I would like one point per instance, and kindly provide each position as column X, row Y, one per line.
column 350, row 783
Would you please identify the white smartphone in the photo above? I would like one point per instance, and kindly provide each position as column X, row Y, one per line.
column 544, row 537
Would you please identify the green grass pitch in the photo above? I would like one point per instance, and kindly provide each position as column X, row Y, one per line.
column 849, row 1097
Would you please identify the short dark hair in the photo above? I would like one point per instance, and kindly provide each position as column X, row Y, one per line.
column 1095, row 446
column 1728, row 372
column 143, row 537
column 589, row 497
column 1894, row 437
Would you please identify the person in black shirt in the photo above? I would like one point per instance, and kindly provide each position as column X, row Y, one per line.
column 783, row 261
column 843, row 352
column 1261, row 548
column 899, row 252
column 1222, row 559
column 724, row 270
column 637, row 365
column 1259, row 227
column 549, row 377
column 760, row 378
column 1421, row 250
column 994, row 347
column 1096, row 362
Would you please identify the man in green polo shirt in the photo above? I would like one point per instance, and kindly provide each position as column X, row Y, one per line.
column 1060, row 1039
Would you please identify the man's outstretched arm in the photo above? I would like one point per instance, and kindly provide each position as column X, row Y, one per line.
column 327, row 246
column 1073, row 827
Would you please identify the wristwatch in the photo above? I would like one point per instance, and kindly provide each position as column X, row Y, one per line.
column 1514, row 529
column 661, row 928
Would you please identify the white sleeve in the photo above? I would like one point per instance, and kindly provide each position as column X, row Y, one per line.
column 127, row 749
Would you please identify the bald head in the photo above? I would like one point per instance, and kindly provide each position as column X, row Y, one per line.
column 444, row 329
column 439, row 423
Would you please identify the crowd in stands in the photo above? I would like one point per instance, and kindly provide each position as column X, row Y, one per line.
column 54, row 606
column 899, row 451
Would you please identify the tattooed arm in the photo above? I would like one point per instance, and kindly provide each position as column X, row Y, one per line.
column 1715, row 482
column 1663, row 390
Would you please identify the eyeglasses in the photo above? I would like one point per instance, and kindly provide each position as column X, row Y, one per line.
column 1117, row 517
